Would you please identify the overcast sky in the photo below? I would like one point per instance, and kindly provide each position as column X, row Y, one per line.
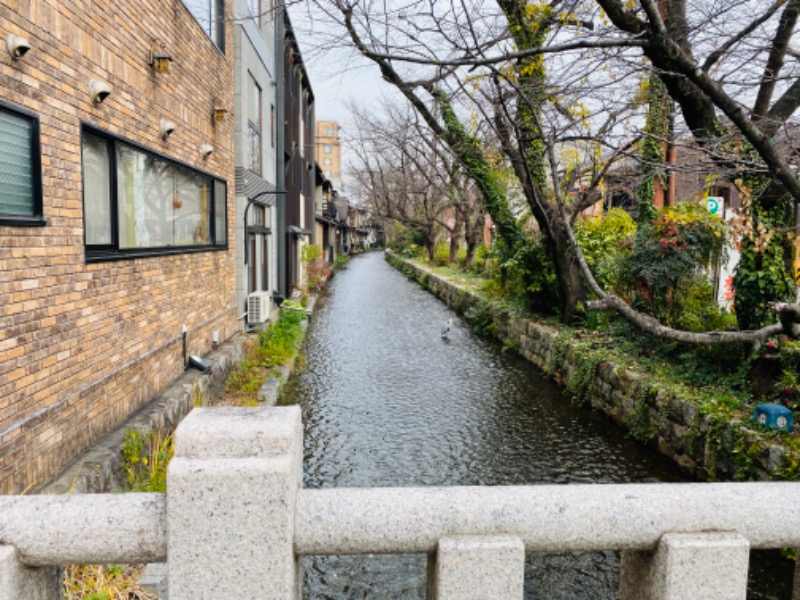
column 338, row 75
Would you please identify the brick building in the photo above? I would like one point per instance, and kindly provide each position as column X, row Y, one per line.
column 116, row 203
column 329, row 151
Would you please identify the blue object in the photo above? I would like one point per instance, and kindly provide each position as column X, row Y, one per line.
column 774, row 416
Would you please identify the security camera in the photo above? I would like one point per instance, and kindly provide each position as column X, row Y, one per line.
column 17, row 46
column 98, row 90
column 167, row 128
column 206, row 150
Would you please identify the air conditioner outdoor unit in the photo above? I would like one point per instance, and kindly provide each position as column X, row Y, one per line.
column 258, row 307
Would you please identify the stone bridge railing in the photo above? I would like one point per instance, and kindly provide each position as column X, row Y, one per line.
column 235, row 519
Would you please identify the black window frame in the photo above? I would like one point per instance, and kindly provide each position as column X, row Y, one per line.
column 217, row 25
column 112, row 251
column 37, row 198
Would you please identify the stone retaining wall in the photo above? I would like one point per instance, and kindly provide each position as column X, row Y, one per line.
column 702, row 445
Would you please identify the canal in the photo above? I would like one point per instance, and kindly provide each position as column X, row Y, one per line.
column 387, row 401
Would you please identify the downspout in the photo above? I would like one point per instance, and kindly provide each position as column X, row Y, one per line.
column 280, row 126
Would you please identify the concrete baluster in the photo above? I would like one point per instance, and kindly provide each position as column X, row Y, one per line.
column 700, row 566
column 19, row 581
column 796, row 583
column 231, row 496
column 478, row 568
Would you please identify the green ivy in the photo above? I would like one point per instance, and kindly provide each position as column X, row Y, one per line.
column 656, row 130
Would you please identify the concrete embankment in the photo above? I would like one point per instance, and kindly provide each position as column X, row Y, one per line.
column 705, row 443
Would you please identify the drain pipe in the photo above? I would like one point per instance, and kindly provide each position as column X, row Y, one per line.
column 184, row 331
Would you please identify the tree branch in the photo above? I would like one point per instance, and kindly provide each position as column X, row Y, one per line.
column 714, row 57
column 777, row 54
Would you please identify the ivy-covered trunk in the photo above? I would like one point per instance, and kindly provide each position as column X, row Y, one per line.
column 568, row 273
column 766, row 261
column 529, row 25
column 653, row 155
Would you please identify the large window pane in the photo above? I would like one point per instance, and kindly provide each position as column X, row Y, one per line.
column 96, row 191
column 220, row 213
column 17, row 179
column 210, row 14
column 146, row 199
column 191, row 220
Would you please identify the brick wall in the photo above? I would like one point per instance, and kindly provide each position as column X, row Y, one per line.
column 84, row 345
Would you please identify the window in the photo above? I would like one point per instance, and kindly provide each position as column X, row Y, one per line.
column 20, row 168
column 210, row 14
column 140, row 203
column 328, row 161
column 254, row 6
column 329, row 131
column 254, row 124
column 272, row 125
column 326, row 149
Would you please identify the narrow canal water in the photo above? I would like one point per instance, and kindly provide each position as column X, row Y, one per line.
column 387, row 401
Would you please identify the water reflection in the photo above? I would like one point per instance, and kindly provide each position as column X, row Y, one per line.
column 387, row 402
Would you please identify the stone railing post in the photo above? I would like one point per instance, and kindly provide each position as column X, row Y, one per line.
column 712, row 566
column 796, row 584
column 231, row 494
column 19, row 581
column 479, row 568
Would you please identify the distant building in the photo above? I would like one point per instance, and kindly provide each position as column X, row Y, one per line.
column 329, row 152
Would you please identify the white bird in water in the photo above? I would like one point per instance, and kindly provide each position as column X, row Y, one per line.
column 446, row 327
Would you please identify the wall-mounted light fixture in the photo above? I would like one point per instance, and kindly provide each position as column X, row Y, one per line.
column 206, row 150
column 167, row 129
column 159, row 59
column 98, row 90
column 17, row 46
column 219, row 111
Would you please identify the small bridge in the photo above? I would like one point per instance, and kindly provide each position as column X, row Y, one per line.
column 235, row 519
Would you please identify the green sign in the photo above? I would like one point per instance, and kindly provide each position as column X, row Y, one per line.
column 714, row 204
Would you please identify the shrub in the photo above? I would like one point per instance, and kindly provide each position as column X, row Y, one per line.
column 282, row 339
column 441, row 254
column 529, row 278
column 603, row 242
column 670, row 260
column 404, row 240
column 317, row 271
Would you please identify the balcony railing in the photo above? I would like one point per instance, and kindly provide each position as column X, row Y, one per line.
column 235, row 518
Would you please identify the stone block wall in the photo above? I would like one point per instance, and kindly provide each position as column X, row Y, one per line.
column 83, row 345
column 702, row 445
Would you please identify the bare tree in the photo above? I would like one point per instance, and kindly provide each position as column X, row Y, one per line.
column 565, row 74
column 410, row 176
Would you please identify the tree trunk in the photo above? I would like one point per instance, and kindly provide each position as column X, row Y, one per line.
column 568, row 272
column 430, row 245
column 454, row 243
